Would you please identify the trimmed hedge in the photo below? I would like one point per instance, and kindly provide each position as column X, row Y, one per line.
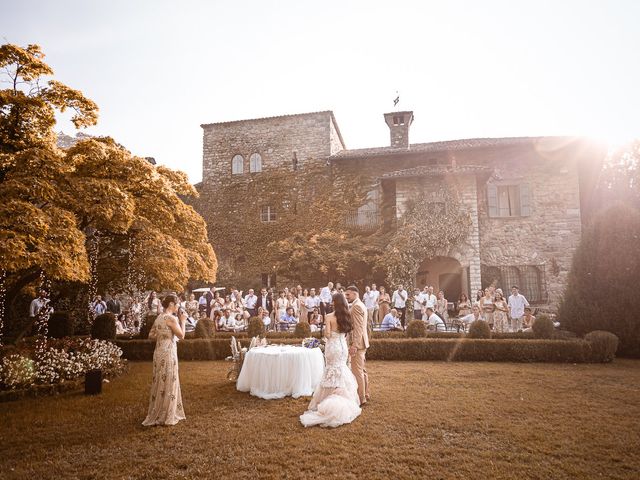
column 60, row 325
column 543, row 327
column 479, row 329
column 205, row 328
column 255, row 328
column 603, row 345
column 416, row 329
column 302, row 330
column 462, row 349
column 104, row 327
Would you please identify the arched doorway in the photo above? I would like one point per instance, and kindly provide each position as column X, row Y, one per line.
column 443, row 273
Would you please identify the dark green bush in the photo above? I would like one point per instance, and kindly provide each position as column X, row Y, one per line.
column 543, row 327
column 205, row 328
column 60, row 325
column 389, row 334
column 479, row 329
column 603, row 280
column 147, row 323
column 416, row 329
column 302, row 330
column 255, row 328
column 104, row 327
column 603, row 345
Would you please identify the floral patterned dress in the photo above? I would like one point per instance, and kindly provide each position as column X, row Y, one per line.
column 165, row 403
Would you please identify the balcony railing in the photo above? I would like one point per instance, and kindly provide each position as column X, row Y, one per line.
column 363, row 220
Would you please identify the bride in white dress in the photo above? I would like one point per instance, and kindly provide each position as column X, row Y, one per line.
column 335, row 401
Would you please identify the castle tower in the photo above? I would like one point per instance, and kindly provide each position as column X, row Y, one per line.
column 399, row 123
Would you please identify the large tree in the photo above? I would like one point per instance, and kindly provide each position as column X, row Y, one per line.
column 602, row 287
column 56, row 205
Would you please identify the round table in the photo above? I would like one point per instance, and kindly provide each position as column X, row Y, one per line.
column 277, row 371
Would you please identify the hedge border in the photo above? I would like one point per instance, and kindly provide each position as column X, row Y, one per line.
column 421, row 349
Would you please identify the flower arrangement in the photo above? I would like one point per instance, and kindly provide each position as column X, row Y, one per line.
column 61, row 360
column 311, row 342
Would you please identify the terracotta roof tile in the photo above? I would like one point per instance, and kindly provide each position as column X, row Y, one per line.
column 449, row 145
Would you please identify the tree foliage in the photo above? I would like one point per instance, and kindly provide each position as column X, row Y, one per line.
column 601, row 291
column 54, row 203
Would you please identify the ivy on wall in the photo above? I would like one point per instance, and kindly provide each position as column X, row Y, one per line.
column 426, row 229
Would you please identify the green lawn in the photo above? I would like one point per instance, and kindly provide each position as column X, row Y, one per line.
column 426, row 420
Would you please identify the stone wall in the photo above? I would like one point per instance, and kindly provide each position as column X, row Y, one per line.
column 276, row 139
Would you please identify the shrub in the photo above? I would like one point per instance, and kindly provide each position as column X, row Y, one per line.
column 479, row 329
column 255, row 328
column 543, row 327
column 205, row 328
column 60, row 325
column 16, row 371
column 416, row 329
column 147, row 323
column 302, row 330
column 603, row 345
column 104, row 327
column 603, row 280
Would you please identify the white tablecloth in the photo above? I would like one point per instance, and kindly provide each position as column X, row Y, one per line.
column 278, row 371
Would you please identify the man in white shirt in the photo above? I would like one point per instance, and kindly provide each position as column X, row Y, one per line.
column 325, row 299
column 516, row 303
column 40, row 304
column 227, row 322
column 418, row 303
column 311, row 302
column 370, row 301
column 399, row 302
column 391, row 321
column 250, row 302
column 434, row 322
column 429, row 297
column 472, row 317
column 376, row 309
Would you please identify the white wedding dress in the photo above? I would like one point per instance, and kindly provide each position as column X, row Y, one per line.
column 335, row 400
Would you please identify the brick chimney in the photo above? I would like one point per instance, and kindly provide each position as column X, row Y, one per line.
column 399, row 123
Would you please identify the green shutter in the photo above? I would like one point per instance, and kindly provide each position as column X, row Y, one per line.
column 525, row 200
column 492, row 198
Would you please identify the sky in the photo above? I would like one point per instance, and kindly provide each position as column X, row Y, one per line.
column 159, row 69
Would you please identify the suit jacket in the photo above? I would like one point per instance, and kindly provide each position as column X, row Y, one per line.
column 269, row 302
column 209, row 297
column 359, row 336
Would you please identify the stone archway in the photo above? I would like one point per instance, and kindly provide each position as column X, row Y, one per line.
column 443, row 273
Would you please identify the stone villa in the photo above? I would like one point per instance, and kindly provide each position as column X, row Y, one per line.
column 527, row 196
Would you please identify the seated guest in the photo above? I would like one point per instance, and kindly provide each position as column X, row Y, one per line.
column 434, row 322
column 391, row 321
column 216, row 317
column 227, row 321
column 527, row 320
column 242, row 321
column 190, row 324
column 315, row 320
column 263, row 315
column 287, row 319
column 473, row 316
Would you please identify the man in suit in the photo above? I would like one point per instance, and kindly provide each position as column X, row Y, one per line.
column 358, row 341
column 265, row 301
column 113, row 304
column 209, row 296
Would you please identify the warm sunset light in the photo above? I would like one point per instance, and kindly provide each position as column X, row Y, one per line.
column 316, row 240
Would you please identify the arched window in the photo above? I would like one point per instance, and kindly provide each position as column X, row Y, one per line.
column 237, row 165
column 255, row 163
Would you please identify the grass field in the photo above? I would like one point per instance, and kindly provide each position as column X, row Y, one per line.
column 425, row 420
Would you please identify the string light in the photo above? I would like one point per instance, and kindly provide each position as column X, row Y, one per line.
column 3, row 296
column 94, row 248
column 42, row 319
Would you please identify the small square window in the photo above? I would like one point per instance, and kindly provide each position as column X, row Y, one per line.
column 268, row 214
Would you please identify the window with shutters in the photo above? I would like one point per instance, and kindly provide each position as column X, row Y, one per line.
column 509, row 200
column 237, row 165
column 255, row 163
column 268, row 214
